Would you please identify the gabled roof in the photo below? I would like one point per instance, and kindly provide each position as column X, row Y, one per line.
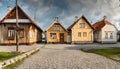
column 71, row 26
column 55, row 23
column 12, row 12
column 99, row 25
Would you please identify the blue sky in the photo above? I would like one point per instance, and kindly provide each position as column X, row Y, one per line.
column 44, row 11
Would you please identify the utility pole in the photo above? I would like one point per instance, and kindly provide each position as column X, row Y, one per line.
column 17, row 27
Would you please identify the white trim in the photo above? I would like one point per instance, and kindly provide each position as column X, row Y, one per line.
column 14, row 20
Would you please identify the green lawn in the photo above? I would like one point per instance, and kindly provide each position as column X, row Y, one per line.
column 112, row 53
column 7, row 55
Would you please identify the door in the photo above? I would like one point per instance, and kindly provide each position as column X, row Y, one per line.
column 61, row 37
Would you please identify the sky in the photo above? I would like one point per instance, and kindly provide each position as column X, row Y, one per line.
column 44, row 11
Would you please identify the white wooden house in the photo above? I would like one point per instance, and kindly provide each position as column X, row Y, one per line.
column 105, row 32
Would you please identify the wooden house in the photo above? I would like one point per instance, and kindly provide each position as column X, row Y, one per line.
column 56, row 33
column 105, row 32
column 81, row 31
column 29, row 31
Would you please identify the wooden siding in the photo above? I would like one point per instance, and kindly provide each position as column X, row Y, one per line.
column 25, row 40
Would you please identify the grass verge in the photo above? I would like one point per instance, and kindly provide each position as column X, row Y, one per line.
column 112, row 53
column 16, row 64
column 7, row 55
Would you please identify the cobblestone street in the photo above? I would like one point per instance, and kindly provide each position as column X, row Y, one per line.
column 58, row 57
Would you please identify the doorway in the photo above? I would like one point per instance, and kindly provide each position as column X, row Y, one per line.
column 61, row 37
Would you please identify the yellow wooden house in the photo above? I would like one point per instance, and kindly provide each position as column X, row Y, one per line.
column 56, row 33
column 81, row 31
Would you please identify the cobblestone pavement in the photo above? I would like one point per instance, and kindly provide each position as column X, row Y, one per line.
column 61, row 56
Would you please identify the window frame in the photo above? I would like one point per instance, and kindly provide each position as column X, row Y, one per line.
column 82, row 25
column 53, row 35
column 84, row 34
column 106, row 35
column 21, row 30
column 56, row 28
column 111, row 37
column 9, row 35
column 79, row 34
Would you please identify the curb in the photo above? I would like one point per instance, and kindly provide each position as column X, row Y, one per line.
column 17, row 58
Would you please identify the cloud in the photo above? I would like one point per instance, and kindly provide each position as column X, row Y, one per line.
column 1, row 4
column 66, row 10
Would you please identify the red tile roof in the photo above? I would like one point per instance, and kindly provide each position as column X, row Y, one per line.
column 99, row 25
column 70, row 27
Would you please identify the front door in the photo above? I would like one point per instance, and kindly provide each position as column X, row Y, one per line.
column 61, row 37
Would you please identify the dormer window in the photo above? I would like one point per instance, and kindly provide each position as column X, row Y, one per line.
column 82, row 25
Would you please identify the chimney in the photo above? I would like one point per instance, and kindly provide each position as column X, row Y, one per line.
column 104, row 17
column 76, row 18
column 56, row 20
column 9, row 8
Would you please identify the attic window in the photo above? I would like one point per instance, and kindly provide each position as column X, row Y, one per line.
column 56, row 28
column 82, row 25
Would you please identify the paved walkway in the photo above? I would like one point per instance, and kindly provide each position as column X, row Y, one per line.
column 24, row 48
column 62, row 56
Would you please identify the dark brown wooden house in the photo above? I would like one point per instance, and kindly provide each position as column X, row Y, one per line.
column 29, row 31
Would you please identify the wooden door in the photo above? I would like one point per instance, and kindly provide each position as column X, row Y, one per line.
column 61, row 37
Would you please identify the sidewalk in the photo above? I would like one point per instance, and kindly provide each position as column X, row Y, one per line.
column 21, row 47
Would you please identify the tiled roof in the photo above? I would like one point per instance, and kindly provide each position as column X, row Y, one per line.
column 99, row 25
column 70, row 27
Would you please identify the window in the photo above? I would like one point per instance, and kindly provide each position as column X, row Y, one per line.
column 106, row 35
column 79, row 34
column 11, row 33
column 56, row 28
column 82, row 25
column 53, row 35
column 21, row 33
column 84, row 34
column 111, row 35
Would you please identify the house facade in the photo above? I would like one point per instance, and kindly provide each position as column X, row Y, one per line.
column 29, row 32
column 80, row 31
column 105, row 32
column 56, row 33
